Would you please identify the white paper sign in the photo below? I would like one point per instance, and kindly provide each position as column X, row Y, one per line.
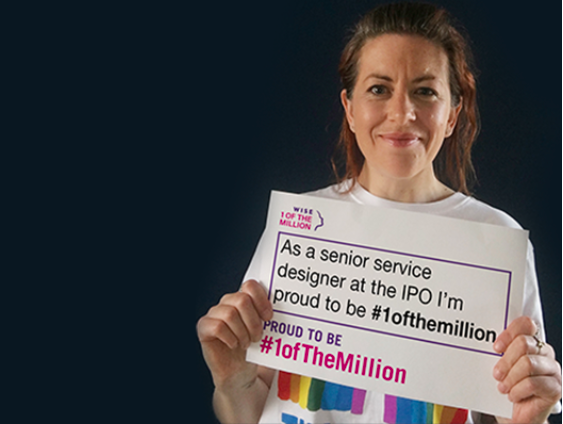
column 401, row 303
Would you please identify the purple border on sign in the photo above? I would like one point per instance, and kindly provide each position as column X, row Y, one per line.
column 394, row 253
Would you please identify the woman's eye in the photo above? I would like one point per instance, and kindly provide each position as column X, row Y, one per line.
column 378, row 89
column 426, row 91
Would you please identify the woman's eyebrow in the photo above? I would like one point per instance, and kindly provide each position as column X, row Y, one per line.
column 426, row 77
column 381, row 77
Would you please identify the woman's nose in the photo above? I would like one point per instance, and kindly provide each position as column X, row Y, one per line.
column 400, row 108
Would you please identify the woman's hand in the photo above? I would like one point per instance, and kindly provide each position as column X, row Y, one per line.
column 529, row 375
column 227, row 330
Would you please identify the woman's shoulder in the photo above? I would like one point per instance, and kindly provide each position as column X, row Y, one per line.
column 476, row 210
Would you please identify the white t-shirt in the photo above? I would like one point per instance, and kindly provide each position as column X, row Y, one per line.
column 298, row 399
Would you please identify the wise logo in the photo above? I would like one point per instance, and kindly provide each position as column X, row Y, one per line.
column 313, row 394
column 302, row 218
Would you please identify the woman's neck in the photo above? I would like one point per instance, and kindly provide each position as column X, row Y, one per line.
column 423, row 188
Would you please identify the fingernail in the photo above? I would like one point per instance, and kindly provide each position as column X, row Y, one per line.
column 502, row 388
column 497, row 374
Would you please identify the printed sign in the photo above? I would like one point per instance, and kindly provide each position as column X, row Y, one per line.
column 401, row 303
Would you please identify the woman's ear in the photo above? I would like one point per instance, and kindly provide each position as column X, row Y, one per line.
column 347, row 104
column 452, row 119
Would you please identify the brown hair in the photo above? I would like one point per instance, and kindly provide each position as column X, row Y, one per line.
column 453, row 163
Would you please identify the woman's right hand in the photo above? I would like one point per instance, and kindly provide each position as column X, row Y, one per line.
column 227, row 330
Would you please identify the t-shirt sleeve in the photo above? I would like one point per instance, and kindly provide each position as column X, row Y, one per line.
column 531, row 306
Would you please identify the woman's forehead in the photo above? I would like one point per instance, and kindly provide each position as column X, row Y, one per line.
column 390, row 54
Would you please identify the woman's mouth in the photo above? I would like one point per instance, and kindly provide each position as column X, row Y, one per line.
column 400, row 139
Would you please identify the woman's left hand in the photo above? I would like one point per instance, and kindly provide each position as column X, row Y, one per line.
column 528, row 373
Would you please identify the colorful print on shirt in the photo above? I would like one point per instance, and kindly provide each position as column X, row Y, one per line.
column 406, row 411
column 313, row 394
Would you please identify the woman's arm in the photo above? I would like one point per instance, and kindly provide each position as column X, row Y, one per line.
column 225, row 332
column 243, row 405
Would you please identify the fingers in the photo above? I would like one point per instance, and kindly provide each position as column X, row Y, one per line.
column 238, row 318
column 519, row 336
column 210, row 329
column 520, row 326
column 547, row 388
column 259, row 298
column 528, row 367
column 240, row 309
column 224, row 322
column 526, row 371
column 521, row 346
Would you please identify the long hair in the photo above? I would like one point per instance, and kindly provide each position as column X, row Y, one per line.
column 453, row 163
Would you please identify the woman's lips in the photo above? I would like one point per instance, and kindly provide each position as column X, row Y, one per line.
column 400, row 139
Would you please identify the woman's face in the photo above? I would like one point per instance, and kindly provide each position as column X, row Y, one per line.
column 401, row 108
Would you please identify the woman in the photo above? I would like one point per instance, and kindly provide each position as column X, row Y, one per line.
column 410, row 121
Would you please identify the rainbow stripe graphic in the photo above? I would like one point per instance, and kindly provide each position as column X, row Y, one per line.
column 407, row 411
column 313, row 394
